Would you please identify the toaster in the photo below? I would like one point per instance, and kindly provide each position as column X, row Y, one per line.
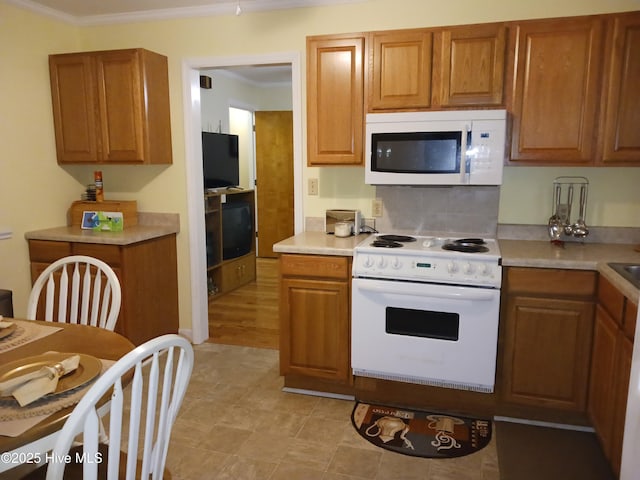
column 335, row 216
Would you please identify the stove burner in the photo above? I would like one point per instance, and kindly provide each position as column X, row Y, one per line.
column 396, row 238
column 386, row 243
column 468, row 247
column 476, row 241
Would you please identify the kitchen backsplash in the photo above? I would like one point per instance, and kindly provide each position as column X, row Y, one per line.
column 463, row 210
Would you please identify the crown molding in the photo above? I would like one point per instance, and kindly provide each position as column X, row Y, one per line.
column 224, row 8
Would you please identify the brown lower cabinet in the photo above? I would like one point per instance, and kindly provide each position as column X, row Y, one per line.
column 315, row 322
column 546, row 333
column 610, row 368
column 148, row 277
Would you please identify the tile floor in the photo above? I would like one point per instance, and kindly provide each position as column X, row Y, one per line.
column 236, row 423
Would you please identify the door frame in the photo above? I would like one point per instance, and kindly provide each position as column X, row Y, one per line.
column 193, row 153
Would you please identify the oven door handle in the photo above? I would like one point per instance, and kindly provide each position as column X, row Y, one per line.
column 428, row 290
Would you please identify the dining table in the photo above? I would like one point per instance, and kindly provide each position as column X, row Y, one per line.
column 45, row 338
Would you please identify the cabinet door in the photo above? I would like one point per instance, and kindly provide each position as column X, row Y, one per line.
column 238, row 272
column 120, row 101
column 547, row 348
column 621, row 135
column 73, row 99
column 600, row 406
column 335, row 100
column 468, row 65
column 620, row 391
column 314, row 330
column 400, row 75
column 557, row 85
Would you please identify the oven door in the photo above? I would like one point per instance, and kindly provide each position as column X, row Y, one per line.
column 431, row 334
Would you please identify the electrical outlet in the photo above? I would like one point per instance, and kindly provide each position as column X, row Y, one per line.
column 312, row 187
column 376, row 207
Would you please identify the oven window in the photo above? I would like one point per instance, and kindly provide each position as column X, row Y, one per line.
column 422, row 323
column 422, row 152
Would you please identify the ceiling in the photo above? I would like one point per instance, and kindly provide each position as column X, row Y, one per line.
column 91, row 12
column 101, row 12
column 259, row 75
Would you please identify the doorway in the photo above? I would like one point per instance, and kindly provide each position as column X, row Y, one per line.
column 193, row 150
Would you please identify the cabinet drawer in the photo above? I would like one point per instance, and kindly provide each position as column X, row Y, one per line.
column 630, row 316
column 549, row 281
column 48, row 251
column 611, row 299
column 315, row 266
column 109, row 254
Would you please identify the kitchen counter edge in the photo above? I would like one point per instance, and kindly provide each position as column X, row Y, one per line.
column 574, row 256
column 150, row 226
column 319, row 243
column 515, row 253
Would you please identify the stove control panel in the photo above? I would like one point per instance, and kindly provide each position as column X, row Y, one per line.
column 461, row 270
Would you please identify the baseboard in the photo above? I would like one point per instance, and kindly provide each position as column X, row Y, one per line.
column 539, row 423
column 316, row 393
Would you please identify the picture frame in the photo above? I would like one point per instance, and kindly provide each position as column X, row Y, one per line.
column 89, row 220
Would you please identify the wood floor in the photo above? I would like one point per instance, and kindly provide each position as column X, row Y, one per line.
column 248, row 316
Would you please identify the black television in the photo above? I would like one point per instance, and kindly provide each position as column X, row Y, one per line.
column 220, row 162
column 237, row 229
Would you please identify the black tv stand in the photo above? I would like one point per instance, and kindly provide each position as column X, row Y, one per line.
column 224, row 276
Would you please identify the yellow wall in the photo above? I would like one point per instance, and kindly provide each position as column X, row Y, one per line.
column 35, row 191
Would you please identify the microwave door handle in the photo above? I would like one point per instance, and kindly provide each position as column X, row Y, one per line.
column 465, row 169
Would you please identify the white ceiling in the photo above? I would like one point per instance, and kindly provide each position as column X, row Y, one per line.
column 101, row 12
column 92, row 12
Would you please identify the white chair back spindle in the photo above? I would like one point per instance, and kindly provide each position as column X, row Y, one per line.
column 83, row 289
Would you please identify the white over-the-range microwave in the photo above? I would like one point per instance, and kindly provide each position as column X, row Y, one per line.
column 461, row 147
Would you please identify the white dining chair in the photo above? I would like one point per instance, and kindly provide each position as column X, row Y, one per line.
column 77, row 289
column 146, row 389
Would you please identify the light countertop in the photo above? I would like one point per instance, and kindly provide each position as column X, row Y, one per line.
column 575, row 256
column 150, row 226
column 319, row 243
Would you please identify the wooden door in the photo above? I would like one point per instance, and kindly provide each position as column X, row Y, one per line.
column 622, row 370
column 400, row 74
column 314, row 328
column 335, row 100
column 73, row 90
column 274, row 179
column 621, row 135
column 468, row 65
column 601, row 385
column 556, row 91
column 556, row 375
column 120, row 98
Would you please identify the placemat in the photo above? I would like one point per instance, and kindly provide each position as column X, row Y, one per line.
column 25, row 332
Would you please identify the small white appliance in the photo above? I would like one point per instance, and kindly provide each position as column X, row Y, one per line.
column 425, row 310
column 333, row 217
column 461, row 147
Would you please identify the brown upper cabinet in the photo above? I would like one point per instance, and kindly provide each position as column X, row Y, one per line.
column 557, row 72
column 400, row 70
column 335, row 99
column 469, row 66
column 111, row 107
column 575, row 91
column 437, row 68
column 621, row 95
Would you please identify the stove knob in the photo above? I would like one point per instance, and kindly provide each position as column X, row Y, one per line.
column 367, row 262
column 396, row 263
column 382, row 263
column 487, row 271
column 452, row 267
column 469, row 268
